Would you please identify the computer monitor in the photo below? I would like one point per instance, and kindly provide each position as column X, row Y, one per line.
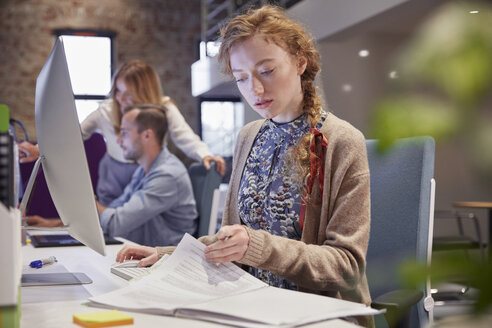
column 62, row 152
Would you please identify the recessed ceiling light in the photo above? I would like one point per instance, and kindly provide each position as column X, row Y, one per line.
column 364, row 53
column 346, row 87
column 393, row 75
column 474, row 12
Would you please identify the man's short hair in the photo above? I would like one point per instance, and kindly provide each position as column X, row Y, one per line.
column 152, row 117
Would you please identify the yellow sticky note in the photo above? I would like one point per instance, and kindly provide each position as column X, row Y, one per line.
column 102, row 319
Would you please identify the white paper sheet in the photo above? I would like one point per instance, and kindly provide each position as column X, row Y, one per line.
column 10, row 244
column 185, row 278
column 187, row 285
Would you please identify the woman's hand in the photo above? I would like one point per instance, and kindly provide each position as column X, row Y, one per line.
column 219, row 163
column 147, row 255
column 27, row 152
column 231, row 246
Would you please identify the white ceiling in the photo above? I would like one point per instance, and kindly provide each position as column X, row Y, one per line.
column 325, row 18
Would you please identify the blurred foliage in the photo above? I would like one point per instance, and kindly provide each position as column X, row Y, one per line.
column 445, row 76
column 402, row 116
column 450, row 267
column 481, row 146
column 452, row 51
column 450, row 59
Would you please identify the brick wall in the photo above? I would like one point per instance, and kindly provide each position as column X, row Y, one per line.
column 161, row 32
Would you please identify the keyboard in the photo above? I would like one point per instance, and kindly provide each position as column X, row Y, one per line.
column 55, row 240
column 128, row 270
column 129, row 273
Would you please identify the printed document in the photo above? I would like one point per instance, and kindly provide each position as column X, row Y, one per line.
column 187, row 285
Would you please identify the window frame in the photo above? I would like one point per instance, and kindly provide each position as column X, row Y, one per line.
column 96, row 33
column 207, row 98
column 234, row 99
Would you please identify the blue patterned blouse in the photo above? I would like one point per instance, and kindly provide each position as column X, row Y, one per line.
column 268, row 198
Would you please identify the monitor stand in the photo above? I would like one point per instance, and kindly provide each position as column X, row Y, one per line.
column 27, row 198
column 52, row 278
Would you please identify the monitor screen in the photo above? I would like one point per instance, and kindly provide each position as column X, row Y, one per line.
column 62, row 151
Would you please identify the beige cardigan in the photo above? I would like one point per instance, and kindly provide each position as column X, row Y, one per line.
column 330, row 258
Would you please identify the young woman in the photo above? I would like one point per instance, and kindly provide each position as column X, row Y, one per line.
column 136, row 82
column 297, row 210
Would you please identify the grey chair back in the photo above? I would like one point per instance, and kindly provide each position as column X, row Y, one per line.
column 204, row 183
column 401, row 220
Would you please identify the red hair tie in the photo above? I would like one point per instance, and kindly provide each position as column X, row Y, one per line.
column 317, row 151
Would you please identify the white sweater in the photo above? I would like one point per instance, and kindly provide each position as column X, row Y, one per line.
column 181, row 133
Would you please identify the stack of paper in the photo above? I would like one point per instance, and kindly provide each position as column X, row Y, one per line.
column 187, row 285
column 10, row 244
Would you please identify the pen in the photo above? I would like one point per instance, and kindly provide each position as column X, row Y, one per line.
column 39, row 263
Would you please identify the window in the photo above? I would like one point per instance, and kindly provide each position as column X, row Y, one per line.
column 90, row 64
column 221, row 121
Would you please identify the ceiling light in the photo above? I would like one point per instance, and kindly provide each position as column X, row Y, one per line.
column 346, row 87
column 474, row 12
column 393, row 75
column 364, row 53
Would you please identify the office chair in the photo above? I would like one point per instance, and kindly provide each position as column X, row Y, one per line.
column 12, row 124
column 460, row 241
column 402, row 196
column 457, row 292
column 204, row 183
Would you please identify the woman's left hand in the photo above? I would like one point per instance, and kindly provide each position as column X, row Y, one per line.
column 147, row 255
column 231, row 245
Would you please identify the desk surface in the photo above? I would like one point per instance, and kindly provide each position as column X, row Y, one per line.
column 53, row 306
column 473, row 204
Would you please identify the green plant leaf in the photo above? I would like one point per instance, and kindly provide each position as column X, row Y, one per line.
column 453, row 52
column 408, row 116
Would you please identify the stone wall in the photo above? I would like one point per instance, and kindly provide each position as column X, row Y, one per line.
column 161, row 32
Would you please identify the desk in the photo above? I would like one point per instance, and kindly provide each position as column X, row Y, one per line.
column 480, row 205
column 57, row 308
